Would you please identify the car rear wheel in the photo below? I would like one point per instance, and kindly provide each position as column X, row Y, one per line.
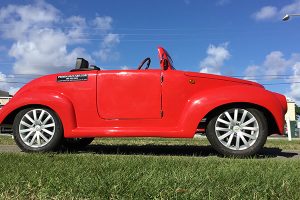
column 237, row 131
column 37, row 130
column 77, row 143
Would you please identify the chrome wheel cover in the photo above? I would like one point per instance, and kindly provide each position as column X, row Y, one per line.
column 237, row 129
column 37, row 128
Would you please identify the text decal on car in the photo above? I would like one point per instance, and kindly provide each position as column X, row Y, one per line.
column 72, row 78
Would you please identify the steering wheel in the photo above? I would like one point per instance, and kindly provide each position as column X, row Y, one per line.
column 148, row 60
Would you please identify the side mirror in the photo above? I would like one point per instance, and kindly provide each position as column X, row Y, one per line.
column 81, row 64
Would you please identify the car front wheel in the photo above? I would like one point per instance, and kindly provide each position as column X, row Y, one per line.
column 237, row 131
column 37, row 130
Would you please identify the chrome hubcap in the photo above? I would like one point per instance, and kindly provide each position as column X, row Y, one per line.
column 37, row 128
column 237, row 129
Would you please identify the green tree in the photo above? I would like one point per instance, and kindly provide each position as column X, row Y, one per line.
column 297, row 109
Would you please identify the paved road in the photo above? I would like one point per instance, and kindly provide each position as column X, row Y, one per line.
column 201, row 151
column 9, row 148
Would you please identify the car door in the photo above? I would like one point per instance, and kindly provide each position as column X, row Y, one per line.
column 129, row 94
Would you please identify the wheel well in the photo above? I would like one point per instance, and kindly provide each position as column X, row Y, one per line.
column 272, row 126
column 9, row 120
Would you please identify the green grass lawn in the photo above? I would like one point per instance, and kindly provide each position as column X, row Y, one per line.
column 98, row 176
column 137, row 168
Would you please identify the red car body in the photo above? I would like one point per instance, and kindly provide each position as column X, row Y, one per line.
column 142, row 103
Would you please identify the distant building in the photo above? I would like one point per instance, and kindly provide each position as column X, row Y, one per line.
column 4, row 98
column 4, row 94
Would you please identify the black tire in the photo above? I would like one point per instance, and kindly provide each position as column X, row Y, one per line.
column 77, row 143
column 256, row 145
column 54, row 140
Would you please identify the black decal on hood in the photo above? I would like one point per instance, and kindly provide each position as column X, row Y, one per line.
column 72, row 78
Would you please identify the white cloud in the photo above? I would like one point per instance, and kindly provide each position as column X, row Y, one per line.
column 274, row 64
column 125, row 67
column 294, row 91
column 40, row 46
column 42, row 51
column 36, row 47
column 76, row 32
column 216, row 56
column 4, row 85
column 187, row 2
column 103, row 54
column 19, row 19
column 267, row 12
column 13, row 90
column 77, row 21
column 271, row 12
column 291, row 8
column 251, row 72
column 110, row 40
column 106, row 52
column 2, row 76
column 103, row 23
column 223, row 2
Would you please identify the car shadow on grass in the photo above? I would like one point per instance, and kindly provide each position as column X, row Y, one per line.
column 268, row 152
column 173, row 150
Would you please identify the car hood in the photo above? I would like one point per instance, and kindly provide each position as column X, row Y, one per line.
column 222, row 78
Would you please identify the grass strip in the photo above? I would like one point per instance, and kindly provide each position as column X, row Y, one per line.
column 271, row 143
column 87, row 176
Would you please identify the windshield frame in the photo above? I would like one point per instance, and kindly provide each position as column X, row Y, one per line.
column 164, row 55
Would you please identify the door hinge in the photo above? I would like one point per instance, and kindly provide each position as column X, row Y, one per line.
column 161, row 113
column 161, row 79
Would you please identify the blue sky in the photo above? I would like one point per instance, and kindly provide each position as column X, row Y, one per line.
column 246, row 38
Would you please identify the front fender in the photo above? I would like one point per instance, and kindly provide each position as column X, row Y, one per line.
column 199, row 105
column 48, row 98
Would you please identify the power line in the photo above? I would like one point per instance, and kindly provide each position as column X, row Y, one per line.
column 280, row 83
column 280, row 76
column 237, row 76
column 203, row 28
column 266, row 75
column 25, row 75
column 13, row 82
column 272, row 77
column 256, row 79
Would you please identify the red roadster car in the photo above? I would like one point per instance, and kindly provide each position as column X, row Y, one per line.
column 72, row 108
